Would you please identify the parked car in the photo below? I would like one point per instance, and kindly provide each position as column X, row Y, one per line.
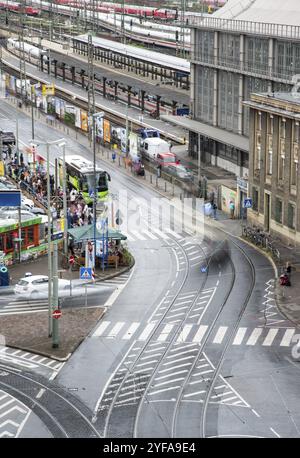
column 8, row 138
column 151, row 147
column 35, row 286
column 179, row 171
column 165, row 159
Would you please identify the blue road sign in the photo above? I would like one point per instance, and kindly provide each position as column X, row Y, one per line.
column 248, row 203
column 86, row 273
column 203, row 269
column 57, row 236
column 91, row 193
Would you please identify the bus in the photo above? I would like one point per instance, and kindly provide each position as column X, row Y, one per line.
column 80, row 176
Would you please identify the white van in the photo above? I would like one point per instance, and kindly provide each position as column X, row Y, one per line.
column 151, row 147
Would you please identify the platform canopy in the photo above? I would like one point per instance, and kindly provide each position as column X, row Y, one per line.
column 84, row 233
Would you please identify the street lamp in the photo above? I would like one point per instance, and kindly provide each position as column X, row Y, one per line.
column 99, row 114
column 48, row 144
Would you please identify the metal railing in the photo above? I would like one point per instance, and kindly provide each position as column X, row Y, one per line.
column 247, row 27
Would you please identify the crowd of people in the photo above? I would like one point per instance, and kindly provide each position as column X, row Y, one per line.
column 79, row 213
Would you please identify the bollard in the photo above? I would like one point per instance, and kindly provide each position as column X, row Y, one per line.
column 119, row 161
column 165, row 186
column 156, row 184
column 151, row 178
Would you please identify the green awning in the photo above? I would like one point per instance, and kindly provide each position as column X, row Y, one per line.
column 83, row 233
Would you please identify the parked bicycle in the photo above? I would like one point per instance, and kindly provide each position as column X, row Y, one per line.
column 261, row 239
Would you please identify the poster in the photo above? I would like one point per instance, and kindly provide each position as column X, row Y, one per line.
column 84, row 120
column 133, row 144
column 57, row 106
column 77, row 118
column 123, row 140
column 106, row 130
column 99, row 127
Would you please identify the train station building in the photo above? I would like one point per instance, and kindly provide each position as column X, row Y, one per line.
column 245, row 47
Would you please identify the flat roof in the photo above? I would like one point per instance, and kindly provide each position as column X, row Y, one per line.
column 216, row 133
column 162, row 60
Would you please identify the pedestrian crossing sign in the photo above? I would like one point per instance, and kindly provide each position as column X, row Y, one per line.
column 86, row 273
column 247, row 203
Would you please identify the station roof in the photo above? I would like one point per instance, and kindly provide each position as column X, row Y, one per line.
column 216, row 133
column 161, row 60
column 268, row 11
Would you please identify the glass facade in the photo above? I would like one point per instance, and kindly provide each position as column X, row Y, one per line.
column 228, row 105
column 229, row 50
column 204, row 47
column 251, row 85
column 204, row 94
column 256, row 55
column 287, row 59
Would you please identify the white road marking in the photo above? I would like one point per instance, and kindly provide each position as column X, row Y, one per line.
column 194, row 394
column 239, row 336
column 169, row 231
column 255, row 413
column 167, row 382
column 129, row 238
column 138, row 235
column 165, row 389
column 287, row 338
column 184, row 352
column 254, row 336
column 273, row 431
column 131, row 330
column 149, row 234
column 195, row 257
column 171, row 375
column 159, row 233
column 116, row 329
column 184, row 333
column 174, row 367
column 270, row 337
column 200, row 333
column 166, row 331
column 101, row 328
column 147, row 331
column 220, row 334
column 40, row 393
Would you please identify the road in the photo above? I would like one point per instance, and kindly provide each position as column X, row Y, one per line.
column 192, row 345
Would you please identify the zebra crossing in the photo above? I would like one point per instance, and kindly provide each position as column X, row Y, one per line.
column 195, row 333
column 28, row 360
column 153, row 234
column 13, row 414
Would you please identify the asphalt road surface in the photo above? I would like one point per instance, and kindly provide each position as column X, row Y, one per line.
column 192, row 345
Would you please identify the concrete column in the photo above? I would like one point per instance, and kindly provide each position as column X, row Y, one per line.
column 216, row 47
column 158, row 105
column 63, row 71
column 271, row 56
column 82, row 78
column 192, row 90
column 129, row 96
column 104, row 86
column 142, row 101
column 241, row 96
column 73, row 74
column 116, row 90
column 174, row 104
column 242, row 52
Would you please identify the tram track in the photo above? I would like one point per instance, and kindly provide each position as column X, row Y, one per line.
column 119, row 380
column 64, row 415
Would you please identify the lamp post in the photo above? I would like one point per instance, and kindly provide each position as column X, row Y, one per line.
column 48, row 144
column 100, row 114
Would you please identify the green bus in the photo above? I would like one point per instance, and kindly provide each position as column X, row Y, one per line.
column 80, row 176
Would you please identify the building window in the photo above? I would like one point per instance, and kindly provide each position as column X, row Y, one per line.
column 296, row 132
column 291, row 222
column 270, row 155
column 270, row 125
column 257, row 164
column 282, row 128
column 258, row 120
column 278, row 210
column 294, row 164
column 255, row 199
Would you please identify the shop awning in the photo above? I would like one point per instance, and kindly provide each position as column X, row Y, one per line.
column 83, row 233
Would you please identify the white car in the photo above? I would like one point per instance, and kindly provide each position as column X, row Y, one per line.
column 35, row 286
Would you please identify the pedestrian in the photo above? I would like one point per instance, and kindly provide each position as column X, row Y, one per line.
column 214, row 206
column 21, row 159
column 231, row 208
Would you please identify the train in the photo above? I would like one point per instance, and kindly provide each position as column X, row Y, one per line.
column 135, row 10
column 16, row 7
